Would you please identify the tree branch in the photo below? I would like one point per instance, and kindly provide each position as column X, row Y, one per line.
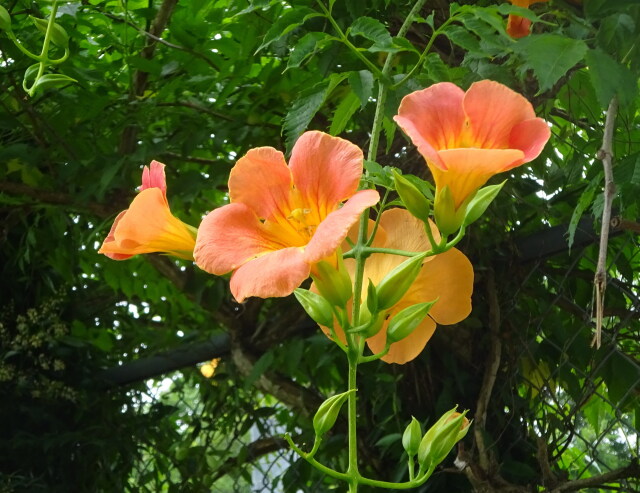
column 630, row 471
column 605, row 154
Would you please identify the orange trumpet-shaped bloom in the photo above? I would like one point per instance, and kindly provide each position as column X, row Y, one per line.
column 147, row 225
column 519, row 27
column 283, row 219
column 467, row 137
column 447, row 277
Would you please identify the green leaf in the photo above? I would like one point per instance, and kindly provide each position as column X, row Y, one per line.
column 550, row 56
column 306, row 47
column 306, row 106
column 5, row 19
column 373, row 30
column 362, row 84
column 586, row 199
column 345, row 110
column 463, row 38
column 609, row 78
column 290, row 19
column 262, row 365
column 615, row 33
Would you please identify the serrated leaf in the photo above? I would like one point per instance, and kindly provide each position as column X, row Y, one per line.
column 373, row 30
column 290, row 19
column 306, row 106
column 550, row 56
column 463, row 38
column 362, row 85
column 615, row 32
column 610, row 77
column 304, row 48
column 345, row 110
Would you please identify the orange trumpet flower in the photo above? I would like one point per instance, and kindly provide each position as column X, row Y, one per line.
column 147, row 225
column 467, row 137
column 447, row 278
column 283, row 219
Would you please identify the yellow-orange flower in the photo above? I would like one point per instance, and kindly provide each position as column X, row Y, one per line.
column 447, row 277
column 283, row 219
column 517, row 26
column 467, row 137
column 147, row 225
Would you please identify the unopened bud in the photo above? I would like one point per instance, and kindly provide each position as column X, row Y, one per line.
column 411, row 437
column 441, row 438
column 334, row 283
column 413, row 199
column 396, row 283
column 59, row 36
column 406, row 321
column 328, row 411
column 5, row 19
column 481, row 201
column 316, row 306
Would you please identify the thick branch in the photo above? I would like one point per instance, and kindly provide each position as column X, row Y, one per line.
column 606, row 155
column 630, row 471
column 160, row 364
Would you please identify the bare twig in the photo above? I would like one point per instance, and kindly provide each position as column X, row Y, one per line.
column 605, row 154
column 491, row 371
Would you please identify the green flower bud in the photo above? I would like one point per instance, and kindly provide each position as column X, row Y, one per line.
column 413, row 199
column 411, row 437
column 448, row 218
column 327, row 413
column 316, row 306
column 59, row 36
column 442, row 437
column 481, row 201
column 372, row 298
column 396, row 283
column 333, row 283
column 5, row 19
column 406, row 321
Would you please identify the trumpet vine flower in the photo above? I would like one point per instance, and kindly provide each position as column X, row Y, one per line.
column 282, row 218
column 517, row 26
column 147, row 225
column 467, row 137
column 446, row 277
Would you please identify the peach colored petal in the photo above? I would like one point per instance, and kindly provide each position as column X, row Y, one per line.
column 273, row 274
column 326, row 170
column 408, row 348
column 148, row 226
column 433, row 118
column 530, row 136
column 333, row 230
column 153, row 177
column 493, row 110
column 449, row 279
column 228, row 237
column 111, row 238
column 470, row 168
column 262, row 181
column 378, row 241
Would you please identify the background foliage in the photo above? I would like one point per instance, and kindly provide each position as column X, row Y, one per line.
column 197, row 83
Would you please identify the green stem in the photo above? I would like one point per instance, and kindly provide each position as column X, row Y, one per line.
column 383, row 204
column 321, row 467
column 19, row 45
column 397, row 486
column 352, row 471
column 343, row 37
column 45, row 47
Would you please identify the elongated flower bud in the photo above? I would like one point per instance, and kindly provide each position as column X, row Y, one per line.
column 396, row 283
column 413, row 199
column 328, row 411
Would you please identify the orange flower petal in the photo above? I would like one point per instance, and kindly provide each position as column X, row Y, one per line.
column 261, row 180
column 493, row 110
column 333, row 230
column 449, row 279
column 408, row 348
column 148, row 226
column 530, row 136
column 111, row 238
column 228, row 237
column 469, row 169
column 153, row 177
column 273, row 274
column 433, row 118
column 326, row 170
